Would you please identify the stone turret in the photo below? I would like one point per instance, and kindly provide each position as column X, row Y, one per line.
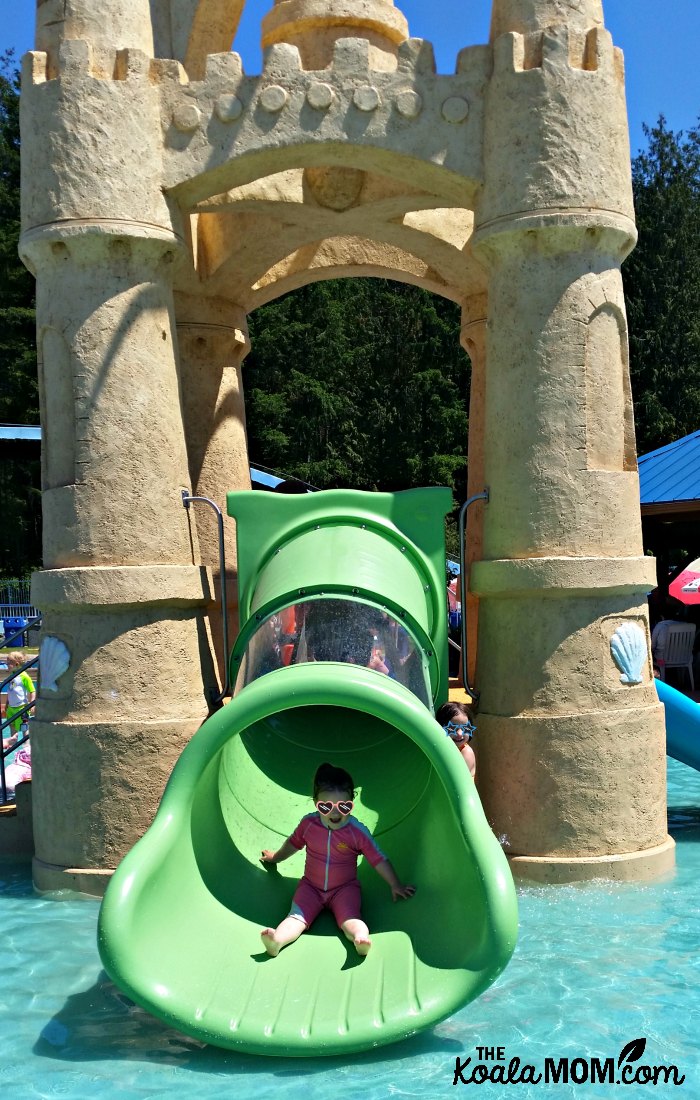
column 562, row 566
column 107, row 27
column 120, row 585
column 524, row 16
column 314, row 26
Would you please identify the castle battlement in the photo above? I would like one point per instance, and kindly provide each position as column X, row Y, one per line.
column 76, row 61
column 560, row 48
column 201, row 126
column 422, row 114
column 351, row 57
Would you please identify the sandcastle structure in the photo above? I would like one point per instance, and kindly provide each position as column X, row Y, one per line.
column 167, row 194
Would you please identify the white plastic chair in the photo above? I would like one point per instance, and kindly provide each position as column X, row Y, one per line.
column 679, row 650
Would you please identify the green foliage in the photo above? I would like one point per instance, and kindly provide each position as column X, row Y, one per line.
column 20, row 508
column 359, row 383
column 662, row 284
column 20, row 497
column 18, row 384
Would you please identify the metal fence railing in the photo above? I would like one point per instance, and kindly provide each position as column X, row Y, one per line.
column 23, row 714
column 18, row 610
column 14, row 590
column 15, row 604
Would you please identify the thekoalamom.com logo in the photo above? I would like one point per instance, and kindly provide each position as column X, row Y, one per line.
column 491, row 1067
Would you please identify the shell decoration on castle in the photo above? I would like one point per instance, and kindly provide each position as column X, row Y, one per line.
column 628, row 646
column 54, row 659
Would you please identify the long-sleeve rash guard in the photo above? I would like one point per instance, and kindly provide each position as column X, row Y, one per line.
column 332, row 854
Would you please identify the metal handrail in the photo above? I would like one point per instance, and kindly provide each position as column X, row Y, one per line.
column 188, row 499
column 6, row 723
column 463, row 586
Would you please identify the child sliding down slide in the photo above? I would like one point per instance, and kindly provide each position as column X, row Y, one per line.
column 334, row 840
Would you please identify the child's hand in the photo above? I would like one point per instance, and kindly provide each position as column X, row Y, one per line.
column 401, row 891
column 267, row 856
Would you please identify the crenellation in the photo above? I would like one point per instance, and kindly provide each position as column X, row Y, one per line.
column 417, row 56
column 557, row 47
column 509, row 53
column 475, row 58
column 227, row 68
column 602, row 53
column 168, row 72
column 281, row 61
column 34, row 68
column 77, row 60
column 592, row 51
column 132, row 65
column 351, row 56
column 430, row 117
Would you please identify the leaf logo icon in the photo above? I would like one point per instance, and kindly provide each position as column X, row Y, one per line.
column 632, row 1052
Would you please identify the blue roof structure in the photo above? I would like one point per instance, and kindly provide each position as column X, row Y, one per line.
column 20, row 431
column 262, row 477
column 671, row 474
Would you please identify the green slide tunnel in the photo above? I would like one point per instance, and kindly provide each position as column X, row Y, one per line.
column 341, row 657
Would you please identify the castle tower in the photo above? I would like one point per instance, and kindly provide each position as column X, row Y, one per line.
column 314, row 26
column 119, row 584
column 108, row 27
column 533, row 16
column 563, row 773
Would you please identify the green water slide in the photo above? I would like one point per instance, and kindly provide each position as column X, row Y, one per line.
column 341, row 658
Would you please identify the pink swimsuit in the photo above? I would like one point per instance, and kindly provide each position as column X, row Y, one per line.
column 330, row 873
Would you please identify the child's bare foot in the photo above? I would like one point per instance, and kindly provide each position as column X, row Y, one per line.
column 269, row 942
column 362, row 945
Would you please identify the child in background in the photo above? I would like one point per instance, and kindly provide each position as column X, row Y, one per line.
column 20, row 691
column 20, row 770
column 334, row 840
column 456, row 721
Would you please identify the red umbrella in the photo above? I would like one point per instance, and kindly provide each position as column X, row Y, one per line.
column 686, row 586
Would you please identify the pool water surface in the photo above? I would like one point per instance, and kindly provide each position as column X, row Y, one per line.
column 597, row 967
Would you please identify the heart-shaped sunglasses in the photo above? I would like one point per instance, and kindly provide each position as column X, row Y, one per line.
column 344, row 807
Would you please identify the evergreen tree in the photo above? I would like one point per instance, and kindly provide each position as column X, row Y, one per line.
column 18, row 382
column 359, row 383
column 662, row 284
column 20, row 497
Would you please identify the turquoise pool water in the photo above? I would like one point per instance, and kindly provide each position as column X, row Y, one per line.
column 597, row 966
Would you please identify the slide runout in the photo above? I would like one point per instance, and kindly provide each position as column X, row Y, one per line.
column 179, row 929
column 682, row 725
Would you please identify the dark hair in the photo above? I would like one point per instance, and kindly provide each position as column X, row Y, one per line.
column 329, row 778
column 449, row 711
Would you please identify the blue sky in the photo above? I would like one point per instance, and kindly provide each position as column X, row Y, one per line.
column 660, row 41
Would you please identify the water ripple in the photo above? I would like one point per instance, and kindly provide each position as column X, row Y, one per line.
column 597, row 965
